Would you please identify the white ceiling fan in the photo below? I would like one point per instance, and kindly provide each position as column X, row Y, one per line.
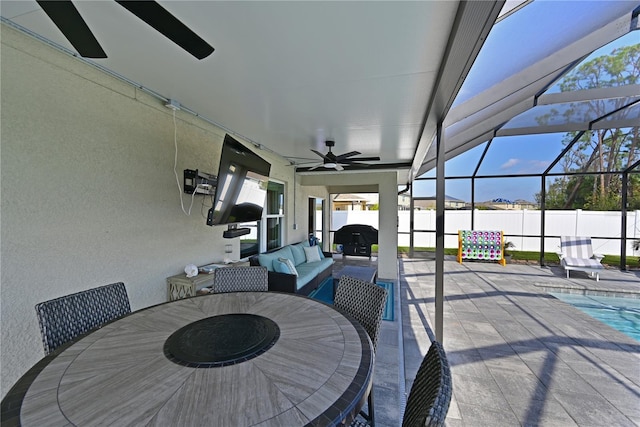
column 331, row 161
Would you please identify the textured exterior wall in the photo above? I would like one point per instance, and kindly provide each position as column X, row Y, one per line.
column 88, row 191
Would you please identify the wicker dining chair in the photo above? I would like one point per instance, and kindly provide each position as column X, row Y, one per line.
column 364, row 301
column 430, row 394
column 65, row 318
column 240, row 279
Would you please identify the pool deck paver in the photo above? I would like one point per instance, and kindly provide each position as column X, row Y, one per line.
column 519, row 357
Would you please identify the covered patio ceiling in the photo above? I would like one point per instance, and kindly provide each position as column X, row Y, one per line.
column 375, row 77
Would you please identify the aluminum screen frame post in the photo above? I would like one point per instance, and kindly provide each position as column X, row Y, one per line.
column 440, row 190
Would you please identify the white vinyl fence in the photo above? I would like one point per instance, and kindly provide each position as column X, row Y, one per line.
column 603, row 227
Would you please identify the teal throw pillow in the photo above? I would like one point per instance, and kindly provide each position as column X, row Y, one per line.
column 284, row 265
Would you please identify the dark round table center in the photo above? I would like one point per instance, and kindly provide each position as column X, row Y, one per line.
column 222, row 340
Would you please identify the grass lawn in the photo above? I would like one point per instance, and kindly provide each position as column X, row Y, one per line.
column 550, row 258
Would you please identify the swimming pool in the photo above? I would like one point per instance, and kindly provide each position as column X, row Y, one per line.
column 622, row 314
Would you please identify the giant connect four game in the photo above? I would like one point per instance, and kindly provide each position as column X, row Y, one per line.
column 481, row 245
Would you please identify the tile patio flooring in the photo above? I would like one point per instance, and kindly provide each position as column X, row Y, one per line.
column 518, row 356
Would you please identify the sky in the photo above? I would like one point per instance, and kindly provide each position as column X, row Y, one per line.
column 516, row 155
column 523, row 154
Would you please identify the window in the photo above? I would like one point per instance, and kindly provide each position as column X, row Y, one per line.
column 274, row 215
column 249, row 244
column 266, row 234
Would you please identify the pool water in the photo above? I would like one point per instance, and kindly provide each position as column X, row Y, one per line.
column 622, row 314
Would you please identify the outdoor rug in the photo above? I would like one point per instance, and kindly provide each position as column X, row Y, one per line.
column 325, row 293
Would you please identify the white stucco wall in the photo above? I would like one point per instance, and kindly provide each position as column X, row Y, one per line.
column 88, row 191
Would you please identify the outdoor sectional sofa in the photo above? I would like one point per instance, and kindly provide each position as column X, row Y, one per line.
column 310, row 274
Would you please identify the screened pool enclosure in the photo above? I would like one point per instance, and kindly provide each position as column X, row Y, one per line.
column 548, row 117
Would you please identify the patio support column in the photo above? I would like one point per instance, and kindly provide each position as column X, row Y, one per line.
column 440, row 190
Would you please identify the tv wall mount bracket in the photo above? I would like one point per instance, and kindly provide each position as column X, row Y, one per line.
column 199, row 182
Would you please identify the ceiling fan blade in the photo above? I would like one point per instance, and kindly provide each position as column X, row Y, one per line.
column 361, row 159
column 321, row 155
column 69, row 21
column 339, row 167
column 171, row 27
column 349, row 154
column 356, row 164
column 315, row 167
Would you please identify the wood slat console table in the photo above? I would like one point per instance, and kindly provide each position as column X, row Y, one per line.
column 317, row 372
column 181, row 286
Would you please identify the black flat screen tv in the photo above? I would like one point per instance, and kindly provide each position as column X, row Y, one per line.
column 241, row 189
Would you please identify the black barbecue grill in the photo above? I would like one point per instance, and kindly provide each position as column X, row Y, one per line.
column 356, row 239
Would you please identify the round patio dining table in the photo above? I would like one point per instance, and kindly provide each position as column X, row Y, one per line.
column 234, row 359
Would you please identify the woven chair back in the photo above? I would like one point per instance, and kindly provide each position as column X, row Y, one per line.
column 430, row 394
column 240, row 279
column 364, row 301
column 65, row 318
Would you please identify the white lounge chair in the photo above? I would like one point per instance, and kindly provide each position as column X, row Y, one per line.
column 576, row 254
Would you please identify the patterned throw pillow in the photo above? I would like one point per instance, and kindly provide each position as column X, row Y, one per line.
column 312, row 254
column 284, row 265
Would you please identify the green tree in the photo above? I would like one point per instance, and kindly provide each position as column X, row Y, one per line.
column 605, row 151
column 634, row 191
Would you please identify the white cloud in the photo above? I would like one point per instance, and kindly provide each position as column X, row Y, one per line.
column 510, row 163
